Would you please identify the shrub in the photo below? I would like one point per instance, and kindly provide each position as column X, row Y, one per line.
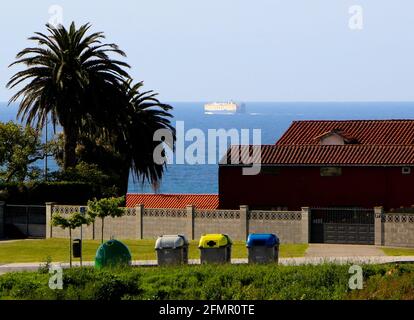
column 215, row 282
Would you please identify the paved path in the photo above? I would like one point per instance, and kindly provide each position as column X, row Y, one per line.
column 343, row 250
column 283, row 261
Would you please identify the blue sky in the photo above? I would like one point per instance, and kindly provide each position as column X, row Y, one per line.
column 262, row 50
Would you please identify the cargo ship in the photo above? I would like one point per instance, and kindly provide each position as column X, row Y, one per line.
column 224, row 107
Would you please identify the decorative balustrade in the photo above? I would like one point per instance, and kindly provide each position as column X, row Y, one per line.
column 274, row 215
column 171, row 213
column 398, row 217
column 217, row 214
column 65, row 210
column 130, row 211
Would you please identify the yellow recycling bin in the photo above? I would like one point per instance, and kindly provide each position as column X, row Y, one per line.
column 215, row 248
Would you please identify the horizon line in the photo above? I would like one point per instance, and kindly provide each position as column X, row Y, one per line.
column 275, row 101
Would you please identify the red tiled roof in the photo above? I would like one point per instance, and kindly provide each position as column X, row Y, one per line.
column 372, row 155
column 348, row 138
column 201, row 201
column 378, row 132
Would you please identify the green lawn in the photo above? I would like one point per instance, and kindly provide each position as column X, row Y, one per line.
column 57, row 250
column 398, row 251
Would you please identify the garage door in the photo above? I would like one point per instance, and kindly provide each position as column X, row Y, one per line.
column 342, row 225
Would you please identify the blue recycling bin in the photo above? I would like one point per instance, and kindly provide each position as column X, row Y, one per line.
column 263, row 248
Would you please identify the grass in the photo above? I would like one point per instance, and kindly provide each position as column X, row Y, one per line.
column 398, row 251
column 215, row 282
column 58, row 250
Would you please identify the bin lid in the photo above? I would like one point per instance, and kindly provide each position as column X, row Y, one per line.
column 112, row 253
column 214, row 240
column 172, row 241
column 262, row 239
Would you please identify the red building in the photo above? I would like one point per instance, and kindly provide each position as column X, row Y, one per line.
column 362, row 163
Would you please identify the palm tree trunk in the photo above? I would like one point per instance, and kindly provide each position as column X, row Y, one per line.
column 69, row 157
column 70, row 247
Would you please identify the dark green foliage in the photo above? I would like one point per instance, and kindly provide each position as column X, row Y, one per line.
column 20, row 148
column 41, row 192
column 90, row 174
column 213, row 282
column 68, row 76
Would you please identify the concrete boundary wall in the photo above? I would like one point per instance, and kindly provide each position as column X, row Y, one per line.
column 391, row 229
column 394, row 229
column 149, row 223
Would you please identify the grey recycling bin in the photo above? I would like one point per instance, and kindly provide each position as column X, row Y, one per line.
column 263, row 248
column 172, row 250
column 215, row 248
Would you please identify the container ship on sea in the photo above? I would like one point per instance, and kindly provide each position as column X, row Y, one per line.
column 224, row 107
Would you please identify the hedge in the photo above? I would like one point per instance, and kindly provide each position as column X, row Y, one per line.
column 211, row 282
column 41, row 192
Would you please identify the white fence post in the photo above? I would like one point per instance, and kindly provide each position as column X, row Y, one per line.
column 379, row 226
column 49, row 228
column 244, row 223
column 306, row 219
column 140, row 227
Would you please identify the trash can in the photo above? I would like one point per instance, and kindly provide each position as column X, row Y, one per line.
column 215, row 248
column 172, row 250
column 112, row 253
column 263, row 248
column 77, row 248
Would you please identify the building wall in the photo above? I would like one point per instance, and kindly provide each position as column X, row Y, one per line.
column 296, row 187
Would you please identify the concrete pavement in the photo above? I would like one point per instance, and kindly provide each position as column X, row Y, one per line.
column 342, row 250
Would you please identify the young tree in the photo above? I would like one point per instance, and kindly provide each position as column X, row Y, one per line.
column 73, row 221
column 106, row 207
column 20, row 148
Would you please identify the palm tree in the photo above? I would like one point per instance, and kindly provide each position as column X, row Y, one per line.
column 144, row 115
column 71, row 78
column 127, row 143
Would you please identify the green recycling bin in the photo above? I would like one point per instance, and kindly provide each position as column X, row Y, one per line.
column 112, row 253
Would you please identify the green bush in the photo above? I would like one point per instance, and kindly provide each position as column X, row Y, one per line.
column 214, row 282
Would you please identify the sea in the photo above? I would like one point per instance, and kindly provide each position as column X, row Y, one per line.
column 272, row 118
